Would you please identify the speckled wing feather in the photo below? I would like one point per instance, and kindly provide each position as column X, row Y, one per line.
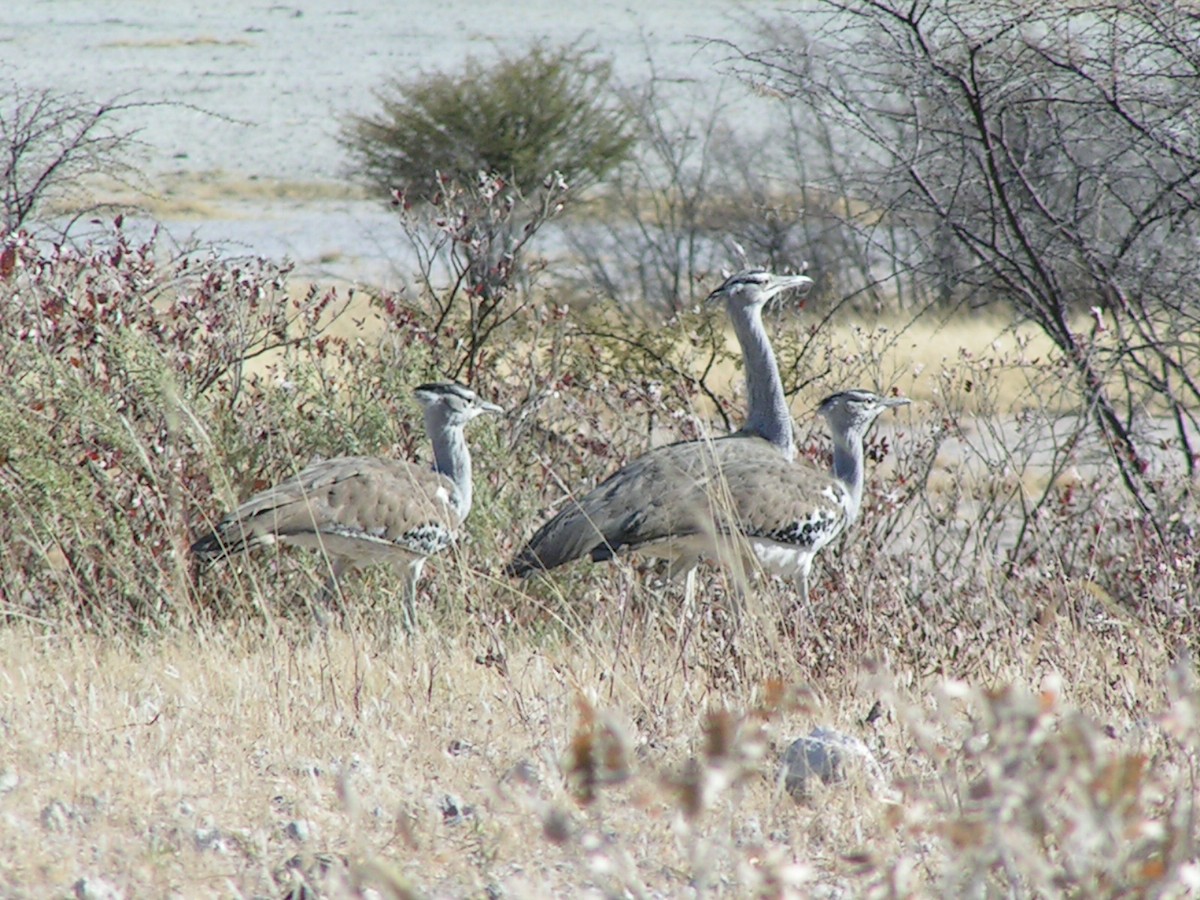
column 785, row 502
column 738, row 483
column 358, row 507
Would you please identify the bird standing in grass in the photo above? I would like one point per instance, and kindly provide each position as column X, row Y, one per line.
column 359, row 510
column 682, row 501
column 732, row 501
column 813, row 506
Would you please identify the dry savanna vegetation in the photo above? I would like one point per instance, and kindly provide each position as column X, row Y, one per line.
column 1020, row 678
column 994, row 684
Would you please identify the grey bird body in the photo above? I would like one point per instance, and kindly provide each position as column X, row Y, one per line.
column 360, row 510
column 737, row 496
column 679, row 501
column 676, row 501
column 357, row 508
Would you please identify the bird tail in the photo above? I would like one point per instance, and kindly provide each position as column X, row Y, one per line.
column 523, row 565
column 221, row 542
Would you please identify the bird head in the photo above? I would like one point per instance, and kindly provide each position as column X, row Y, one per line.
column 455, row 403
column 754, row 287
column 852, row 412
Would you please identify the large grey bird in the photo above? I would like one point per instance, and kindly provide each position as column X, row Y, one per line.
column 668, row 502
column 721, row 500
column 359, row 510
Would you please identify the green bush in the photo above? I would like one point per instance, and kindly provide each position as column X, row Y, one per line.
column 522, row 117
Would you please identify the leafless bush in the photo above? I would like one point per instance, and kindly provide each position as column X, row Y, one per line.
column 701, row 178
column 653, row 239
column 472, row 243
column 50, row 144
column 1038, row 156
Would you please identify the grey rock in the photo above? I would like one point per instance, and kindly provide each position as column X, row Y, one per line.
column 55, row 816
column 209, row 838
column 823, row 754
column 96, row 889
column 454, row 811
column 299, row 830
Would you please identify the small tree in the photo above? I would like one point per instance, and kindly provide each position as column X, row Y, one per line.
column 521, row 118
column 477, row 163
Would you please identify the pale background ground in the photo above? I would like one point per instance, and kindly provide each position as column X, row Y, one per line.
column 247, row 154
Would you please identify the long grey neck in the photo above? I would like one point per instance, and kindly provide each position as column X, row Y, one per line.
column 848, row 469
column 451, row 458
column 768, row 415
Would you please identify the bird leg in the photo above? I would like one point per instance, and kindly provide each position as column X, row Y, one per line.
column 329, row 598
column 689, row 589
column 685, row 566
column 408, row 611
column 801, row 613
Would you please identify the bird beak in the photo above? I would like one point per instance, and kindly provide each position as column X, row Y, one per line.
column 787, row 282
column 485, row 406
column 896, row 401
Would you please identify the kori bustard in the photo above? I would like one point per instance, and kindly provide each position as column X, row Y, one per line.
column 739, row 498
column 666, row 501
column 359, row 510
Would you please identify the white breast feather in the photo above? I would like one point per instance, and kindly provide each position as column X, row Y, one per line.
column 786, row 560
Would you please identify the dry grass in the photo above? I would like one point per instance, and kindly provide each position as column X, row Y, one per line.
column 199, row 196
column 167, row 43
column 1031, row 704
column 625, row 762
